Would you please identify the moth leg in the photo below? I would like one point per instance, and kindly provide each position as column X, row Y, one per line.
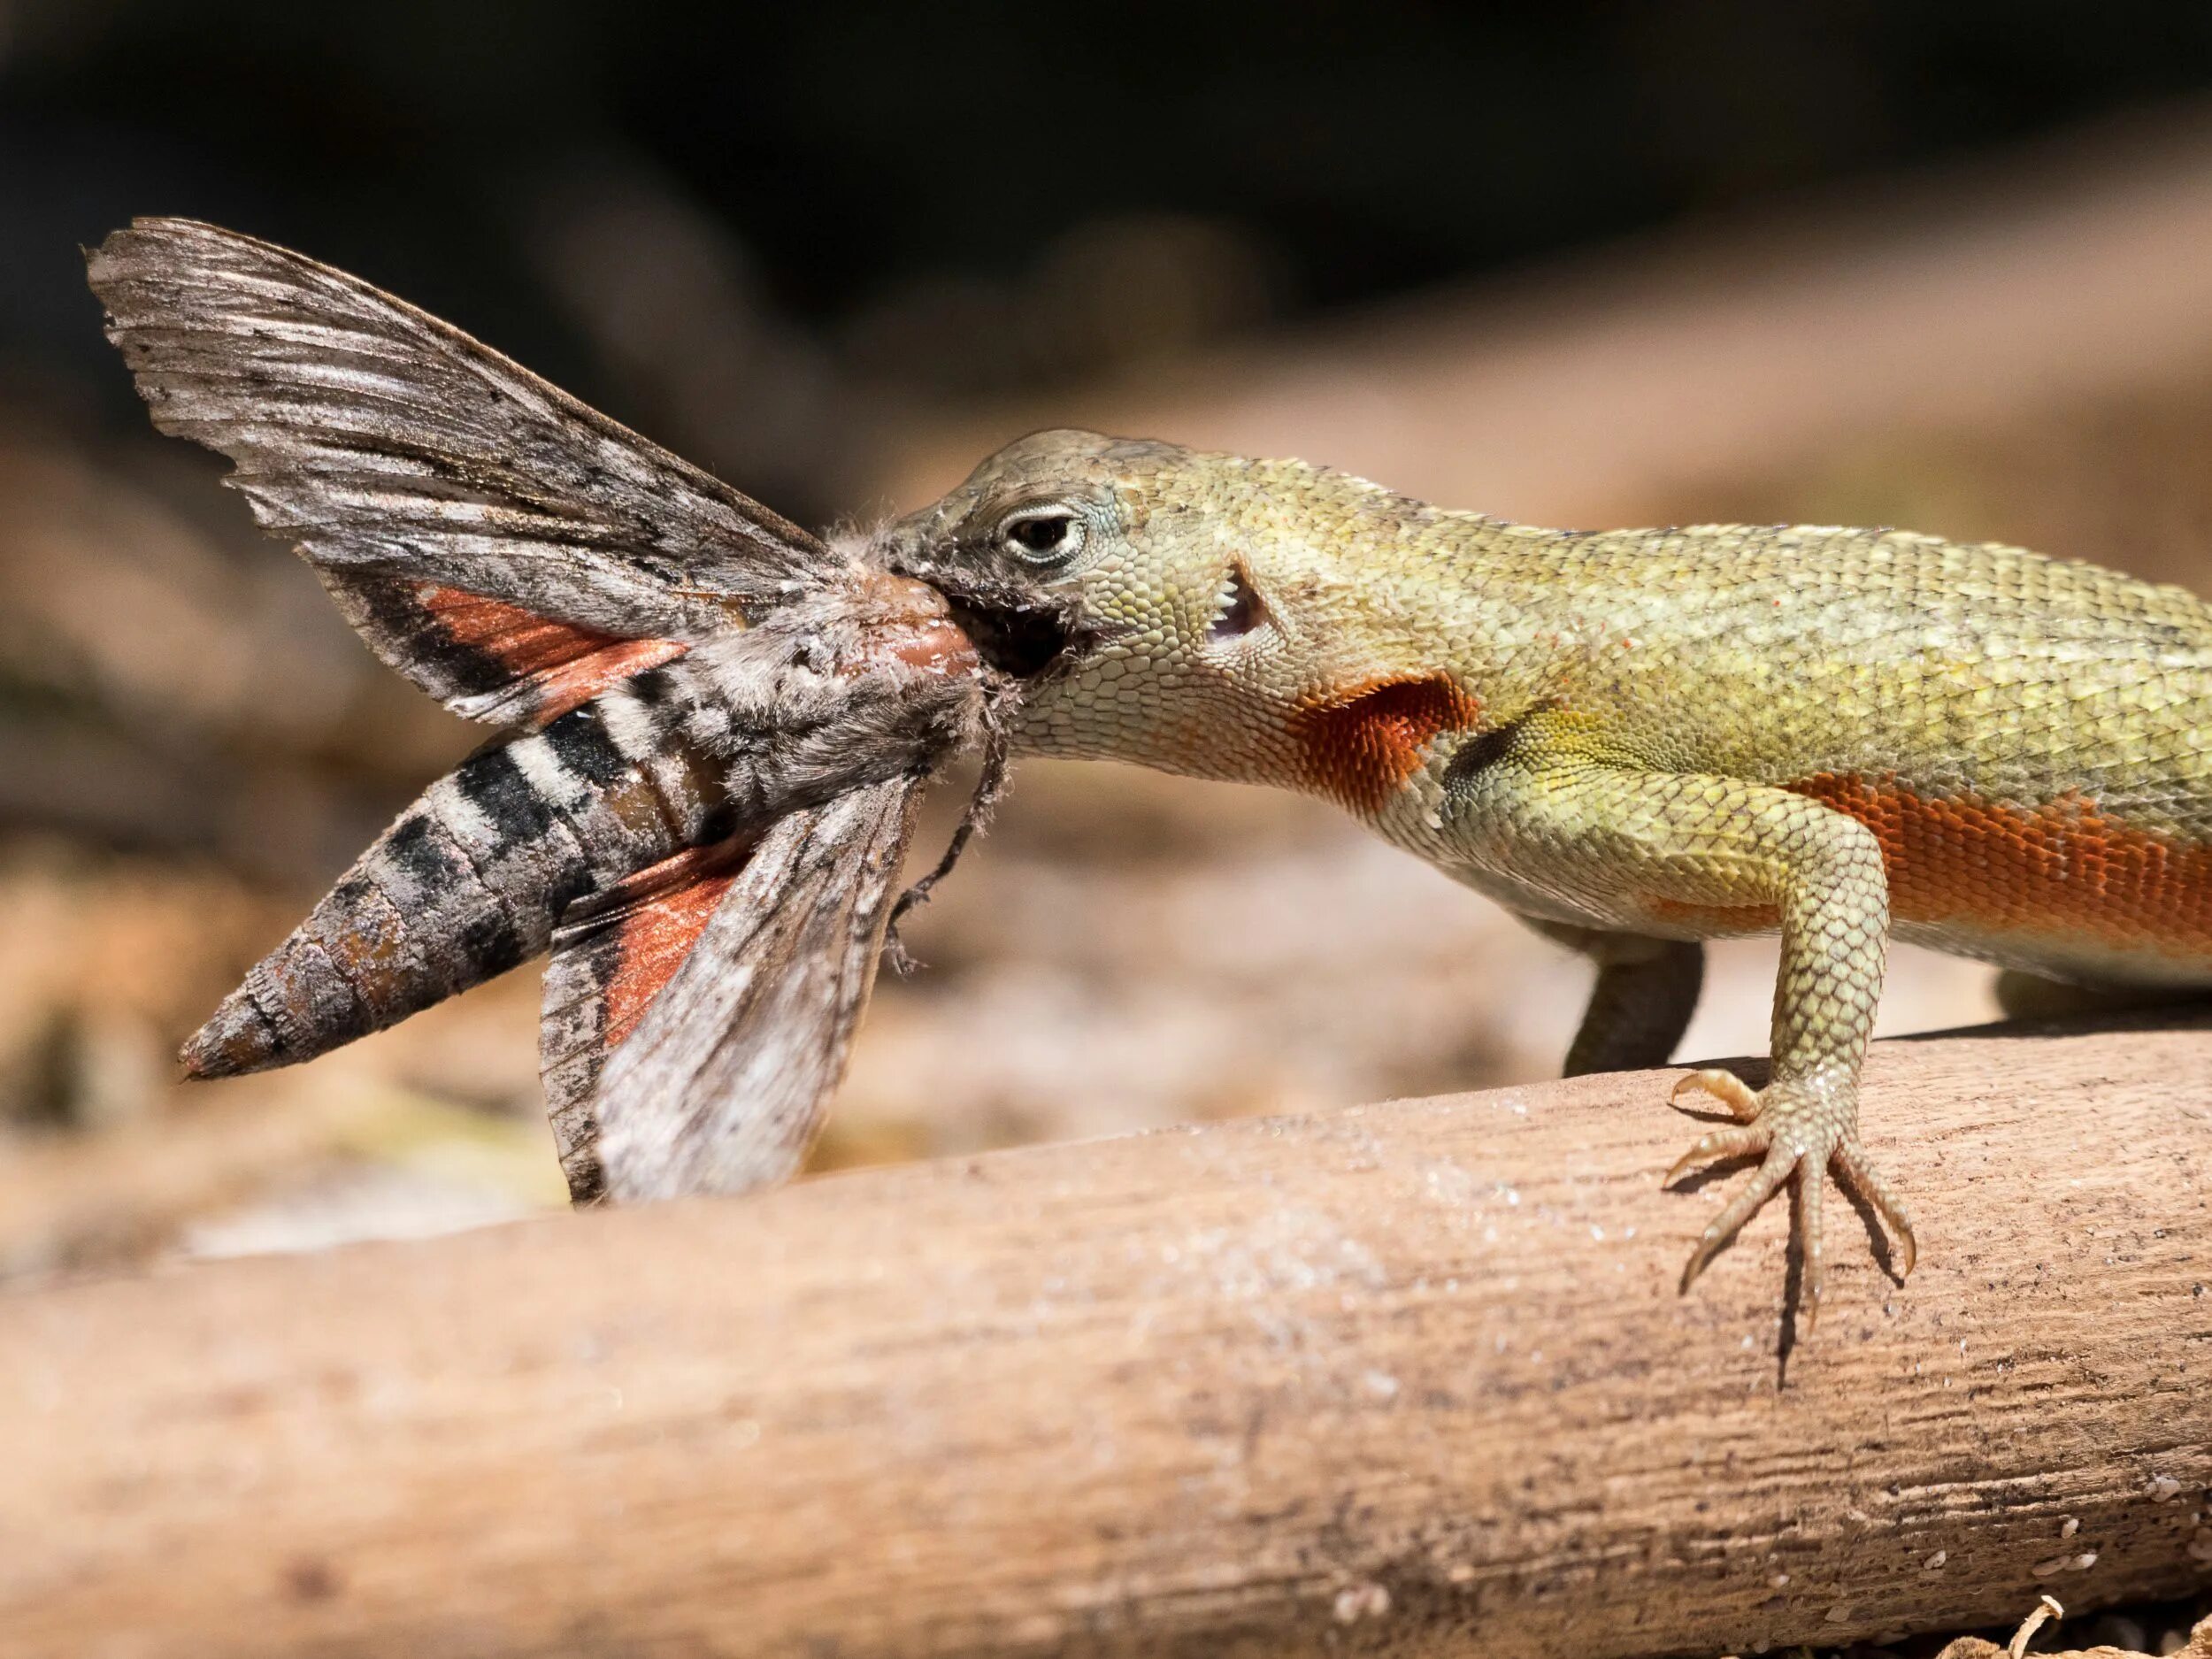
column 1646, row 991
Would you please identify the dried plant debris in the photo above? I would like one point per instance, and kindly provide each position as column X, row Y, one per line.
column 2156, row 1633
column 2181, row 1630
column 715, row 727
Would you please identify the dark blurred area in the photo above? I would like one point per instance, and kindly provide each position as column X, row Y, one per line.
column 755, row 229
column 1948, row 266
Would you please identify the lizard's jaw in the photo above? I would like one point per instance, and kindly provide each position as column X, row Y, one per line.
column 1027, row 631
column 1027, row 640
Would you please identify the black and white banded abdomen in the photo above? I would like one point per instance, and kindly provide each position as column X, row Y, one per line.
column 471, row 879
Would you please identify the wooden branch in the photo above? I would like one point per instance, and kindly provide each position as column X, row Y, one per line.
column 1409, row 1378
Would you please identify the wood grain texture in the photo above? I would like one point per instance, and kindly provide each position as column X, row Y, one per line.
column 1411, row 1379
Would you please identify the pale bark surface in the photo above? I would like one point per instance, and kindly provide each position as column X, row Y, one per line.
column 1409, row 1378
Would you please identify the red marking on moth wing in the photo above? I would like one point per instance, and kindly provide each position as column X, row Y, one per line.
column 651, row 942
column 1364, row 747
column 565, row 664
column 2067, row 867
column 578, row 682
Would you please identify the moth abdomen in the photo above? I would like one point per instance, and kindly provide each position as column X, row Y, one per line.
column 469, row 882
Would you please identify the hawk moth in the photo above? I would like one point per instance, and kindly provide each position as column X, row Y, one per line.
column 716, row 728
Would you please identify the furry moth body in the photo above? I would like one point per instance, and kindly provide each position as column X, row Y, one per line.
column 717, row 727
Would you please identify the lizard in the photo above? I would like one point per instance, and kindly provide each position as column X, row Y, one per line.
column 716, row 726
column 1642, row 740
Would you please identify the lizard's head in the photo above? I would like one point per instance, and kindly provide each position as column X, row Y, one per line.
column 1108, row 574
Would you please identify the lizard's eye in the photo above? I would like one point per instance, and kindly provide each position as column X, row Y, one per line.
column 1042, row 535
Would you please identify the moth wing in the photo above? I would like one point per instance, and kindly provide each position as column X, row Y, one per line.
column 507, row 548
column 693, row 1039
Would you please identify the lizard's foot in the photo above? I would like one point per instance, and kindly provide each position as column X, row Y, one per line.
column 1803, row 1126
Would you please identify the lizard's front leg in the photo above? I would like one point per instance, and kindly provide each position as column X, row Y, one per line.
column 1640, row 850
column 1646, row 990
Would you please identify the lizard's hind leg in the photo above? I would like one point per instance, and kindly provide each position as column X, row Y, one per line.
column 2024, row 996
column 1647, row 989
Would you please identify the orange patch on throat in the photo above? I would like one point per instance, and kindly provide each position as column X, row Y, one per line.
column 2067, row 867
column 567, row 664
column 1363, row 749
column 651, row 942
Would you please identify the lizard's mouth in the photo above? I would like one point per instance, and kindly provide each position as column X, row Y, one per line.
column 1025, row 641
column 1026, row 633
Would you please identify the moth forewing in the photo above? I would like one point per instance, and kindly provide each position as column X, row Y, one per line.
column 483, row 531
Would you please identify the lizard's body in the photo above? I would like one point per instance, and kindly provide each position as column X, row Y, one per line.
column 1641, row 739
column 717, row 725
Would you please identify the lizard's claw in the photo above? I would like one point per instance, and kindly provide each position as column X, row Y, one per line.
column 1849, row 1161
column 1803, row 1126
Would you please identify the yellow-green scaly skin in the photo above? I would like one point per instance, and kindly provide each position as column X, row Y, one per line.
column 1642, row 739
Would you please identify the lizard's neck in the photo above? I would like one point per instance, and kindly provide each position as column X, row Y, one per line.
column 1365, row 635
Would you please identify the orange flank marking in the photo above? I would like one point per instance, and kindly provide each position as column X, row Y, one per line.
column 2065, row 867
column 651, row 942
column 1363, row 749
column 567, row 664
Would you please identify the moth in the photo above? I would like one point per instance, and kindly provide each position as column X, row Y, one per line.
column 715, row 728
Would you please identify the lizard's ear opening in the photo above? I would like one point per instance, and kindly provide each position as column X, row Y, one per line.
column 1240, row 610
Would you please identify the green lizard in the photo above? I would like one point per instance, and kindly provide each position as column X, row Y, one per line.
column 1639, row 740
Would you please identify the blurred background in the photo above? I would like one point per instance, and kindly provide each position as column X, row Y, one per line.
column 1948, row 266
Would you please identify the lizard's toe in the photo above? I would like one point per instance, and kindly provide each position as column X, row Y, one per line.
column 1804, row 1127
column 1711, row 1148
column 1810, row 1188
column 1724, row 1087
column 1849, row 1161
column 1781, row 1160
